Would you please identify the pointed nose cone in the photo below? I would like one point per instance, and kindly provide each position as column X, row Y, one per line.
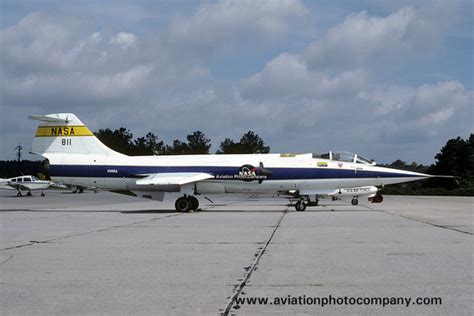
column 392, row 176
column 411, row 174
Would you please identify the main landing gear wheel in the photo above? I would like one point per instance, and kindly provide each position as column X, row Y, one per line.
column 300, row 206
column 186, row 204
column 28, row 193
column 354, row 201
column 18, row 194
column 378, row 199
column 194, row 203
column 182, row 204
column 42, row 194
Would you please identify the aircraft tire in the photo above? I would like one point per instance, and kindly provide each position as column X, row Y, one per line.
column 18, row 194
column 28, row 193
column 42, row 194
column 355, row 201
column 194, row 203
column 300, row 206
column 182, row 204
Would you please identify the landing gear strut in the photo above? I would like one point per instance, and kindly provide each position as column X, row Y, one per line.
column 300, row 206
column 378, row 198
column 186, row 204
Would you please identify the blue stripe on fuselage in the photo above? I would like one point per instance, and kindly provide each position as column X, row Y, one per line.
column 278, row 173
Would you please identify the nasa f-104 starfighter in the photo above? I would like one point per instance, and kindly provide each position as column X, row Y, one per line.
column 76, row 157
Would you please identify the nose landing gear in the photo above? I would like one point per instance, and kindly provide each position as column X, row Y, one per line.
column 300, row 206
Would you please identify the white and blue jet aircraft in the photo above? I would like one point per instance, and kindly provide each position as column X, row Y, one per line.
column 77, row 157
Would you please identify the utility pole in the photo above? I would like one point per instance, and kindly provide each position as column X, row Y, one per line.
column 18, row 149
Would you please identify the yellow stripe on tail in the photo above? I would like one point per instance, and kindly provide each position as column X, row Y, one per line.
column 59, row 136
column 57, row 131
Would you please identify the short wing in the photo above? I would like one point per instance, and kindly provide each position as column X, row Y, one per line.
column 6, row 186
column 18, row 186
column 174, row 178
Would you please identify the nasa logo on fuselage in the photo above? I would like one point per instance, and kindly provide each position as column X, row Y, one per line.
column 62, row 131
column 250, row 173
column 247, row 173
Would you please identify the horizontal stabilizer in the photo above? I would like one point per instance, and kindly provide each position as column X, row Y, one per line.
column 174, row 178
column 49, row 118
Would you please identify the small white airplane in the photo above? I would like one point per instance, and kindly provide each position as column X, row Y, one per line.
column 76, row 157
column 25, row 183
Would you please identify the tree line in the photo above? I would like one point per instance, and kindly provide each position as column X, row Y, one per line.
column 456, row 158
column 122, row 140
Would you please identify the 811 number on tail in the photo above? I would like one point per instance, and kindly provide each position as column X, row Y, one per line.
column 66, row 142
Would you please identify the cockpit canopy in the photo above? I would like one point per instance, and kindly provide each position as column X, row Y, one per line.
column 25, row 179
column 345, row 157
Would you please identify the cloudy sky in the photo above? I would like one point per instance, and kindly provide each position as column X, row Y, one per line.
column 386, row 79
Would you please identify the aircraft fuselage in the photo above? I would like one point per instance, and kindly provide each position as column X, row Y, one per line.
column 232, row 173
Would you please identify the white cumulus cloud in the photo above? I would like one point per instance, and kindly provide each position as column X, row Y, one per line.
column 307, row 94
column 363, row 39
column 124, row 39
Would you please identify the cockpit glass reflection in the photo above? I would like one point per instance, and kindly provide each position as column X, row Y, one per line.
column 343, row 156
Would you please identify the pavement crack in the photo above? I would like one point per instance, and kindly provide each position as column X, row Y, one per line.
column 15, row 247
column 6, row 260
column 433, row 224
column 250, row 269
column 429, row 223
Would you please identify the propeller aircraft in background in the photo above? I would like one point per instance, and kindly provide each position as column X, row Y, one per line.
column 25, row 183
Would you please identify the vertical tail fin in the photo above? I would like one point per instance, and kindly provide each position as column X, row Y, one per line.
column 64, row 133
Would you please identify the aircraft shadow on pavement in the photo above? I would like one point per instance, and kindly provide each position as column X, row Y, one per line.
column 149, row 212
column 290, row 210
column 91, row 211
column 315, row 210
